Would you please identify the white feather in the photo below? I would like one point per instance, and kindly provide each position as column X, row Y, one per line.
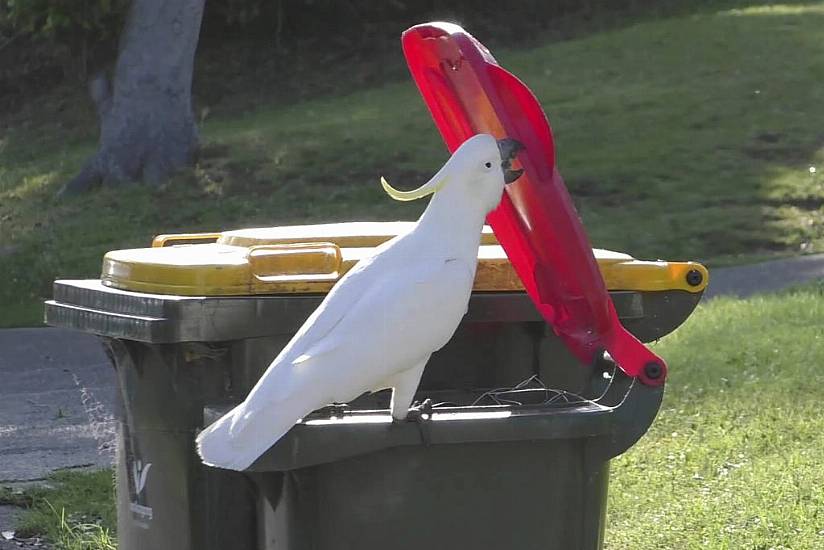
column 383, row 318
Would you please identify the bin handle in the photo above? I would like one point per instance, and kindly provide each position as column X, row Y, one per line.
column 646, row 276
column 295, row 262
column 161, row 241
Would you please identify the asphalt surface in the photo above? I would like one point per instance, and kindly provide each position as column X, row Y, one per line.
column 57, row 388
column 746, row 280
column 57, row 393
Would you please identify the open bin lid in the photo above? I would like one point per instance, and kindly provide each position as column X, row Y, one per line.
column 468, row 92
column 311, row 258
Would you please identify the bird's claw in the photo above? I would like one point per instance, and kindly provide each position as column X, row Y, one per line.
column 334, row 410
column 421, row 412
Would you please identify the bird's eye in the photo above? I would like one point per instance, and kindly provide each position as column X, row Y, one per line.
column 488, row 165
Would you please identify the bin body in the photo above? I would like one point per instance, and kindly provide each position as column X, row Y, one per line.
column 530, row 495
column 537, row 479
column 165, row 497
column 470, row 496
column 461, row 495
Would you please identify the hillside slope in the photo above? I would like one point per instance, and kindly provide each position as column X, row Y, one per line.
column 697, row 137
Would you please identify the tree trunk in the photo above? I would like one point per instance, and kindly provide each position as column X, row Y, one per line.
column 147, row 128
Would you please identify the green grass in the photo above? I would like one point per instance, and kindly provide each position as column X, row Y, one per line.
column 734, row 459
column 683, row 138
column 75, row 511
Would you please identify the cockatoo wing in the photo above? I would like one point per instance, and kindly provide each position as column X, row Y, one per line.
column 402, row 317
column 367, row 331
column 403, row 313
column 347, row 292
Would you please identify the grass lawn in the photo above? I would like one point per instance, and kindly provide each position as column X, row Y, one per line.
column 733, row 460
column 75, row 512
column 691, row 137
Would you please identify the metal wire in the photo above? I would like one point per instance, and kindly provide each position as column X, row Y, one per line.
column 508, row 396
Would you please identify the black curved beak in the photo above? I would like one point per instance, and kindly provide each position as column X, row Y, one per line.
column 509, row 149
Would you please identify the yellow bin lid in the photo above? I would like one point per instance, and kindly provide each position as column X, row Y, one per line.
column 311, row 258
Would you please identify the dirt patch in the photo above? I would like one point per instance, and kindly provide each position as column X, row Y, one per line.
column 9, row 516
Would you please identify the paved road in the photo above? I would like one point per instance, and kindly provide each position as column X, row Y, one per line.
column 57, row 393
column 56, row 403
column 57, row 389
column 747, row 280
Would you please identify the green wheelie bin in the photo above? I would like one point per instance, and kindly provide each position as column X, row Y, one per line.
column 510, row 446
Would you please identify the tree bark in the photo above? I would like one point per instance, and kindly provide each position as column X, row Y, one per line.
column 147, row 128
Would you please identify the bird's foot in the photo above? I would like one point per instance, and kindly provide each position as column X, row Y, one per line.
column 334, row 410
column 421, row 411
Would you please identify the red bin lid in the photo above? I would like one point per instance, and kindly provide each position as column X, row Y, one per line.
column 468, row 93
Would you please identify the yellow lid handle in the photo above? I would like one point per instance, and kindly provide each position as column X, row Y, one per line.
column 655, row 276
column 299, row 262
column 184, row 238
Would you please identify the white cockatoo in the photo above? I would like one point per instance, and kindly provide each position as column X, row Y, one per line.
column 380, row 323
